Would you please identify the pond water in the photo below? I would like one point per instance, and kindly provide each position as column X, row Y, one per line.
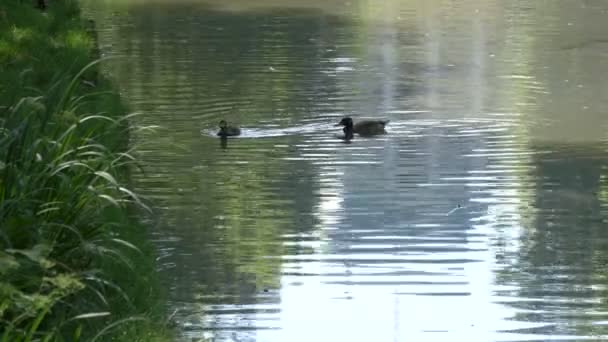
column 482, row 214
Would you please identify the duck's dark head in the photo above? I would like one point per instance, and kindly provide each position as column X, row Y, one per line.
column 346, row 122
column 223, row 124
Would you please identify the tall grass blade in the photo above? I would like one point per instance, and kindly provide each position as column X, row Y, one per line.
column 35, row 324
column 127, row 244
column 116, row 324
column 89, row 315
column 110, row 199
column 107, row 176
column 100, row 117
column 135, row 198
column 72, row 85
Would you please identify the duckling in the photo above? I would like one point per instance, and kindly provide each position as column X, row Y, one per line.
column 365, row 127
column 227, row 130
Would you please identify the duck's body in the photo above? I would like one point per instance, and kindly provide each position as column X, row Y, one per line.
column 228, row 130
column 365, row 127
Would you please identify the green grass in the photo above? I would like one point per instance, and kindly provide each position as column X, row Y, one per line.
column 74, row 262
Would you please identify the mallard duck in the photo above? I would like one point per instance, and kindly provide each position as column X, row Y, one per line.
column 228, row 130
column 365, row 127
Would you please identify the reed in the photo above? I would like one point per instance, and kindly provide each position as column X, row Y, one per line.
column 74, row 264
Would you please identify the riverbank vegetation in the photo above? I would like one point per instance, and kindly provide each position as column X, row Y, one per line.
column 74, row 262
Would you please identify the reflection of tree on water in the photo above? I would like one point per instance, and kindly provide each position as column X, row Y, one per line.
column 250, row 67
column 560, row 268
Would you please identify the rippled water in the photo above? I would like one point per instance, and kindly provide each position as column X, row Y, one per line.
column 480, row 215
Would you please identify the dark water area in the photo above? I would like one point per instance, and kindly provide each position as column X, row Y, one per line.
column 480, row 216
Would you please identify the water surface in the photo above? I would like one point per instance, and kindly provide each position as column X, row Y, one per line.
column 480, row 216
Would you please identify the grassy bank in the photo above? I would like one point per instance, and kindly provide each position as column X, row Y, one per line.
column 74, row 264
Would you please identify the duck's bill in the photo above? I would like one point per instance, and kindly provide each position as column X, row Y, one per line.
column 338, row 124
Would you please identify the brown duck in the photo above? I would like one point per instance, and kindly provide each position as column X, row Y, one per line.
column 228, row 130
column 364, row 128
